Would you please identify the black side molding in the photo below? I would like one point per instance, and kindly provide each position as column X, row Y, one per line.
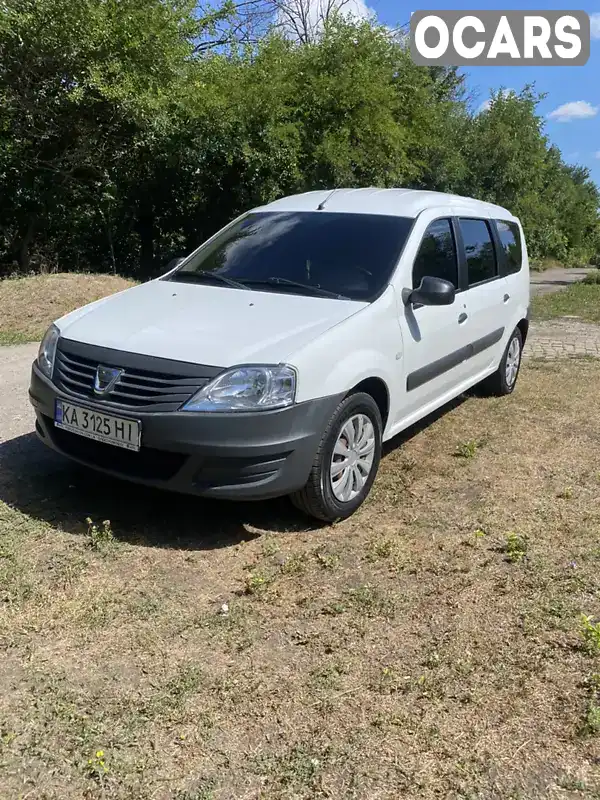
column 431, row 371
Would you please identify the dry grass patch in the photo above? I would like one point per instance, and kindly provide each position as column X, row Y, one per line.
column 433, row 646
column 29, row 305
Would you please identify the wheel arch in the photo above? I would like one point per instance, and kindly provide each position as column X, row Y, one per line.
column 379, row 391
column 523, row 326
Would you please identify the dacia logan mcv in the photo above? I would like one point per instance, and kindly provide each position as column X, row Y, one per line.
column 279, row 356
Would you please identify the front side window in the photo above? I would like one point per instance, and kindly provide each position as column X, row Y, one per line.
column 479, row 250
column 312, row 253
column 437, row 254
column 510, row 239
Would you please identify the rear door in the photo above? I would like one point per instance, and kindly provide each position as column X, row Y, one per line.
column 512, row 262
column 486, row 293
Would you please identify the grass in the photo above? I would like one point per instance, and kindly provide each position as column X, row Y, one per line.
column 30, row 304
column 442, row 643
column 578, row 300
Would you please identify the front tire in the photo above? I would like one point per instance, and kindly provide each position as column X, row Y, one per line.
column 504, row 380
column 346, row 461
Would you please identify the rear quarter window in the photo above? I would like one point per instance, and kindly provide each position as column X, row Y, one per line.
column 510, row 239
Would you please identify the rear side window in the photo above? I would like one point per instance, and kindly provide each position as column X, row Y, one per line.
column 479, row 250
column 437, row 254
column 510, row 238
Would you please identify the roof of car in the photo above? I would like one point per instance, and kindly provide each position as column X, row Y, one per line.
column 392, row 202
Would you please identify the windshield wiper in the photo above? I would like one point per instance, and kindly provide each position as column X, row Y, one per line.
column 205, row 275
column 306, row 286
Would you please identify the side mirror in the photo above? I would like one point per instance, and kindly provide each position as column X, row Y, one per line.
column 433, row 292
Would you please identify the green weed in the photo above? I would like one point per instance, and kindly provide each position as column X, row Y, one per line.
column 467, row 449
column 96, row 766
column 257, row 582
column 100, row 537
column 515, row 547
column 299, row 768
column 477, row 536
column 294, row 565
column 270, row 546
column 592, row 718
column 370, row 602
column 326, row 560
column 388, row 681
column 380, row 549
column 590, row 632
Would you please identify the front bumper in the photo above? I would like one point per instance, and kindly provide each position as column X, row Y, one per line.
column 234, row 456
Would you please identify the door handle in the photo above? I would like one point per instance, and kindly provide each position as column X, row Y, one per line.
column 506, row 298
column 463, row 318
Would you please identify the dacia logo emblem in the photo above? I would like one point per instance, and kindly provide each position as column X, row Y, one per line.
column 106, row 379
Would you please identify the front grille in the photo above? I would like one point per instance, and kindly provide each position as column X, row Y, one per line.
column 165, row 388
column 146, row 464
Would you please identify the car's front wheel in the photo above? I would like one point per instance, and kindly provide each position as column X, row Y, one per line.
column 346, row 461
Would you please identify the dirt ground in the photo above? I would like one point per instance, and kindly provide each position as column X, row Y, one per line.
column 29, row 305
column 432, row 646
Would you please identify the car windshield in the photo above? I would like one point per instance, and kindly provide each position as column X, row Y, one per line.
column 316, row 253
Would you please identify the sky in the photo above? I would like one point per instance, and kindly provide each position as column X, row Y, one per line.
column 572, row 104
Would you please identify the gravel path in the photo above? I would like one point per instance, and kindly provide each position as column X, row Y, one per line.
column 16, row 414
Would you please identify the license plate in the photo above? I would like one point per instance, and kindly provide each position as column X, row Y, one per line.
column 92, row 424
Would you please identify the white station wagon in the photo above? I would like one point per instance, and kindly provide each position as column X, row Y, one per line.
column 279, row 356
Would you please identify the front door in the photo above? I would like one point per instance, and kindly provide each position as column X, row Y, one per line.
column 435, row 337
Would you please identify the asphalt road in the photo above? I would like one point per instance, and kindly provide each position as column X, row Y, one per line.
column 553, row 280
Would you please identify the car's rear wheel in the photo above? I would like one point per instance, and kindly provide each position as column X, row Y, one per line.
column 346, row 461
column 504, row 380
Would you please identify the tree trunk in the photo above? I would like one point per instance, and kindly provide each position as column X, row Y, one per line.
column 109, row 237
column 112, row 249
column 24, row 249
column 145, row 229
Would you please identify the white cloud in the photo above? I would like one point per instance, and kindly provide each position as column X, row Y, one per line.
column 597, row 155
column 304, row 19
column 579, row 109
column 595, row 25
column 487, row 103
column 360, row 10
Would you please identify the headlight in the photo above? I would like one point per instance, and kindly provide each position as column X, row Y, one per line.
column 247, row 389
column 47, row 350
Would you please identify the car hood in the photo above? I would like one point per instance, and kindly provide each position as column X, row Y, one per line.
column 205, row 324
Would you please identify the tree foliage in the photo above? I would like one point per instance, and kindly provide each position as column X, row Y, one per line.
column 131, row 130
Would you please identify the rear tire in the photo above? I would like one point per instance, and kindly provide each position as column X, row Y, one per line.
column 504, row 380
column 346, row 461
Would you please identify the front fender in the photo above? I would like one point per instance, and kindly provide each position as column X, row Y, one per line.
column 366, row 345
